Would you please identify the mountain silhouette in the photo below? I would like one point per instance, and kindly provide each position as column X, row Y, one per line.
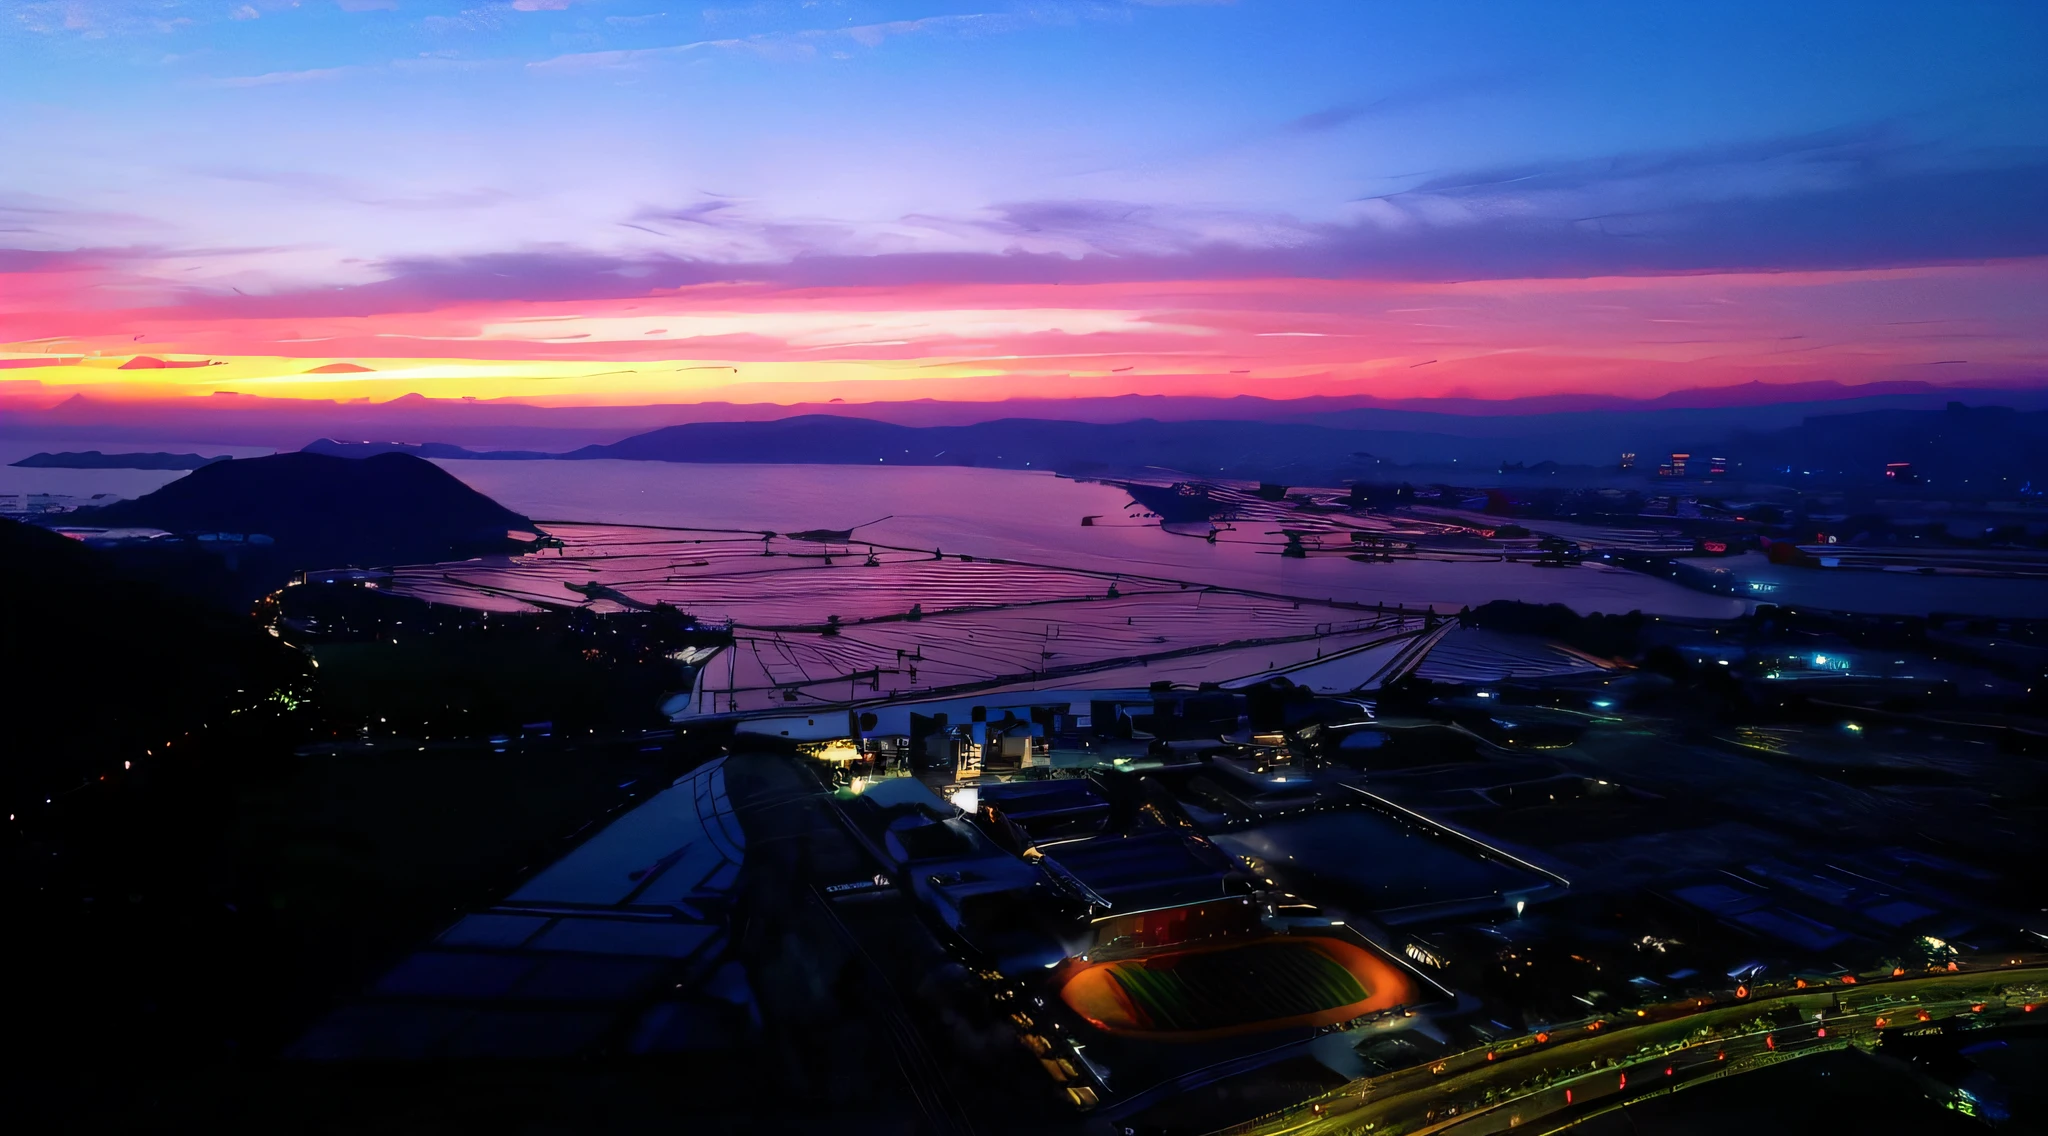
column 318, row 511
column 1978, row 448
column 93, row 459
column 110, row 665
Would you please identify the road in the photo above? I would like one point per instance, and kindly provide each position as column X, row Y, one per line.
column 1567, row 1073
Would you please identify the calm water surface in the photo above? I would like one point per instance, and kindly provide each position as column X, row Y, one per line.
column 1036, row 518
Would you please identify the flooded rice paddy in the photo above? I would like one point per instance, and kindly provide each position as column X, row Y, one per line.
column 1035, row 519
column 954, row 579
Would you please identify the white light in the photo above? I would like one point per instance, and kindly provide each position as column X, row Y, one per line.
column 1519, row 904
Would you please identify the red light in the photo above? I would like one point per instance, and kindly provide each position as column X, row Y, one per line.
column 1821, row 1032
column 1802, row 984
column 1667, row 1070
column 2027, row 1009
column 1742, row 991
column 1624, row 1082
column 1897, row 971
column 1542, row 1038
column 1977, row 1008
column 1770, row 1043
column 1721, row 1056
column 1848, row 980
column 1567, row 1096
column 1489, row 1055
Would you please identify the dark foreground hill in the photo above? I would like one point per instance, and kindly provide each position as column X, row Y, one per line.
column 187, row 891
column 106, row 666
column 288, row 512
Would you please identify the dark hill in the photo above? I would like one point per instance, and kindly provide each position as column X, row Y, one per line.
column 106, row 666
column 323, row 512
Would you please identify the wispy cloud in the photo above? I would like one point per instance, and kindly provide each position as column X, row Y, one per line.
column 275, row 78
column 103, row 19
column 632, row 56
column 699, row 213
column 641, row 20
column 485, row 19
column 1564, row 220
column 966, row 24
column 808, row 43
column 97, row 19
column 51, row 222
column 308, row 184
column 1419, row 96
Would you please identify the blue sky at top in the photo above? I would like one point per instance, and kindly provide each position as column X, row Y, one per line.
column 315, row 140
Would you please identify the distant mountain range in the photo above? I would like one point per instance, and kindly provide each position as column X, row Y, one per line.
column 1216, row 449
column 93, row 459
column 1988, row 448
column 1566, row 428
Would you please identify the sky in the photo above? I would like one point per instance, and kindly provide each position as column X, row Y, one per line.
column 628, row 201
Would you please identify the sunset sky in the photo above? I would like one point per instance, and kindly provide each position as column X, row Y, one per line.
column 626, row 201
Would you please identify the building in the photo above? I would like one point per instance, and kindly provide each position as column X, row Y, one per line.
column 1014, row 744
column 951, row 747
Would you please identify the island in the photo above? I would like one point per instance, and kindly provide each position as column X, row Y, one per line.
column 93, row 459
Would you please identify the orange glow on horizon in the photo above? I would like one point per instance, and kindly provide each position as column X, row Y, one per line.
column 1274, row 338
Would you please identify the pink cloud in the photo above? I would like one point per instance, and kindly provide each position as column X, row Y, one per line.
column 1282, row 337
